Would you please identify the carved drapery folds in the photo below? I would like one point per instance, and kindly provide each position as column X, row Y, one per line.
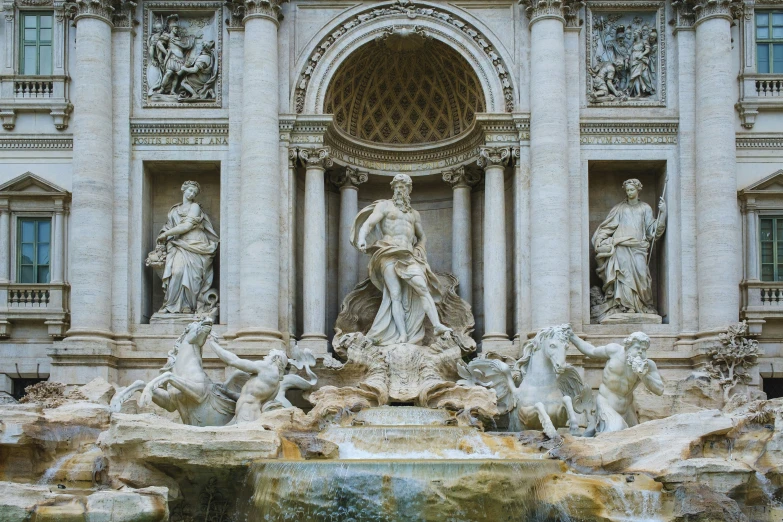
column 493, row 156
column 350, row 178
column 567, row 10
column 691, row 12
column 459, row 178
column 316, row 158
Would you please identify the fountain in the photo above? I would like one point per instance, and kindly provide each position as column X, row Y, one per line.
column 405, row 424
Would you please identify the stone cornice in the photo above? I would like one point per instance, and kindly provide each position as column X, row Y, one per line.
column 35, row 143
column 493, row 157
column 460, row 178
column 350, row 179
column 176, row 129
column 643, row 133
column 319, row 158
column 565, row 10
column 769, row 141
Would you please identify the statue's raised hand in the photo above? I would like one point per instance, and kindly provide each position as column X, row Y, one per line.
column 662, row 205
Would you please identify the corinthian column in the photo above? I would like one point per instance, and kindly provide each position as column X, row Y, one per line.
column 461, row 238
column 348, row 256
column 91, row 252
column 717, row 222
column 314, row 261
column 493, row 161
column 259, row 212
column 549, row 204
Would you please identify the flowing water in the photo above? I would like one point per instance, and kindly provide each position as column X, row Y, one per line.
column 413, row 464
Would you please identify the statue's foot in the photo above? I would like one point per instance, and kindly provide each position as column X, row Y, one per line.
column 402, row 339
column 442, row 329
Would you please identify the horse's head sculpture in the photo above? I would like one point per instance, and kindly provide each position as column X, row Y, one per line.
column 554, row 343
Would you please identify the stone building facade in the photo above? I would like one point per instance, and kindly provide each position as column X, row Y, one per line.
column 517, row 122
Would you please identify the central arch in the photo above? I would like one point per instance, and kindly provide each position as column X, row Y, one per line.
column 404, row 89
column 467, row 39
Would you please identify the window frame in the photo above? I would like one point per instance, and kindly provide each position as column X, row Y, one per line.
column 16, row 238
column 23, row 43
column 769, row 41
column 777, row 277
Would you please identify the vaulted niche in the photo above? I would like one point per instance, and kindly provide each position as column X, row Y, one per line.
column 404, row 88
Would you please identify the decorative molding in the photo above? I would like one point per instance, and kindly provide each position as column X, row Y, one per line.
column 460, row 178
column 407, row 8
column 123, row 16
column 207, row 17
column 493, row 157
column 351, row 178
column 603, row 72
column 611, row 133
column 198, row 134
column 690, row 13
column 565, row 10
column 36, row 143
column 756, row 141
column 242, row 10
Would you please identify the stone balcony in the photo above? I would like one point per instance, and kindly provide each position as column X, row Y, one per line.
column 759, row 92
column 762, row 300
column 34, row 94
column 44, row 303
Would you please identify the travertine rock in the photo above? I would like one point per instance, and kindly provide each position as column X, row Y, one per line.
column 25, row 502
column 98, row 391
column 698, row 503
column 152, row 439
column 652, row 447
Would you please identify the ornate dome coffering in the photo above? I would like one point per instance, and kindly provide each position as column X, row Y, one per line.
column 404, row 90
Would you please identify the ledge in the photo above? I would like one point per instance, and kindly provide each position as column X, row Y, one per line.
column 34, row 94
column 759, row 92
column 46, row 303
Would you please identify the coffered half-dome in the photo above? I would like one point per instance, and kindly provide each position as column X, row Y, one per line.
column 404, row 89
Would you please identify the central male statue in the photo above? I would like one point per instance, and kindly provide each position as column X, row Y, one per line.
column 398, row 267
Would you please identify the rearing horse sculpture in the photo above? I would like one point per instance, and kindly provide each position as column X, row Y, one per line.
column 184, row 386
column 541, row 390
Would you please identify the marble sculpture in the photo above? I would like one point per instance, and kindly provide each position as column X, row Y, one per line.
column 626, row 367
column 184, row 255
column 398, row 267
column 622, row 245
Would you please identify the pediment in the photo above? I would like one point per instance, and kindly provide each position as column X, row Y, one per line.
column 772, row 183
column 28, row 184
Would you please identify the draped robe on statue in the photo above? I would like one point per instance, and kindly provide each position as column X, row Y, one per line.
column 407, row 265
column 627, row 232
column 188, row 273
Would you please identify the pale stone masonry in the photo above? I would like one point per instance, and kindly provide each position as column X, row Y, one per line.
column 518, row 123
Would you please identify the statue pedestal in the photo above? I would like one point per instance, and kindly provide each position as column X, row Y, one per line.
column 178, row 319
column 632, row 319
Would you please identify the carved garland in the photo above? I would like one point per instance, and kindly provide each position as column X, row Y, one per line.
column 400, row 7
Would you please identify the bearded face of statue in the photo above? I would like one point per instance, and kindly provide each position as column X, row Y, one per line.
column 402, row 197
column 636, row 357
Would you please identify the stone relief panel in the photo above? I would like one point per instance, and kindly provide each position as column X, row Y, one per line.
column 182, row 54
column 626, row 54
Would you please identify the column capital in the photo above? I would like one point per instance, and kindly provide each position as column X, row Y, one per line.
column 692, row 12
column 493, row 157
column 316, row 158
column 563, row 10
column 104, row 10
column 460, row 178
column 350, row 179
column 244, row 10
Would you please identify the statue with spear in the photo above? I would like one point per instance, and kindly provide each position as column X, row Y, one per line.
column 623, row 244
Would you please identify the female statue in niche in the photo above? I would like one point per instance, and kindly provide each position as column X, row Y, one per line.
column 622, row 243
column 186, row 249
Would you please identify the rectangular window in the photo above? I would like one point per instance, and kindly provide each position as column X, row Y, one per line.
column 769, row 41
column 33, row 241
column 36, row 44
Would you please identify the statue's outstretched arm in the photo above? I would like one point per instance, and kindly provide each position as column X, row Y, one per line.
column 652, row 379
column 588, row 349
column 232, row 359
column 371, row 222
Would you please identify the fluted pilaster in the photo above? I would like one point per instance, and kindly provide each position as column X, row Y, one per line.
column 348, row 257
column 462, row 182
